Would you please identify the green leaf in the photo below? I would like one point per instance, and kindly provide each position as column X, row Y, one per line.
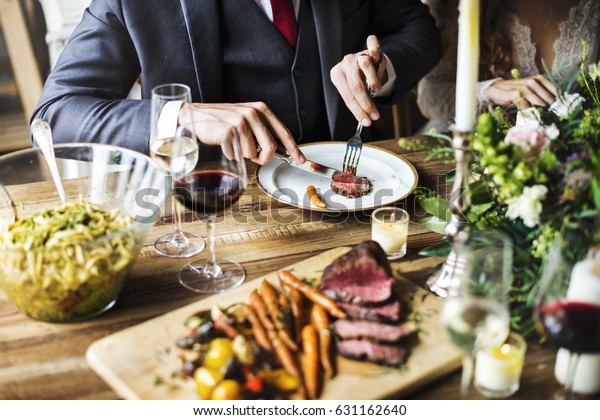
column 596, row 192
column 435, row 224
column 476, row 211
column 436, row 206
column 439, row 250
column 479, row 193
column 587, row 213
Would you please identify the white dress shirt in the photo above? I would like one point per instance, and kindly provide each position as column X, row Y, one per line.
column 167, row 121
column 265, row 5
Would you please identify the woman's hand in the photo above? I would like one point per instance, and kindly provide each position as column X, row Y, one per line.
column 355, row 74
column 536, row 90
column 253, row 123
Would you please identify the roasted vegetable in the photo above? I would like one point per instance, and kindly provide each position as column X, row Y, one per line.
column 219, row 353
column 310, row 347
column 288, row 279
column 281, row 380
column 269, row 296
column 258, row 329
column 202, row 334
column 206, row 380
column 315, row 199
column 227, row 390
column 297, row 311
column 320, row 320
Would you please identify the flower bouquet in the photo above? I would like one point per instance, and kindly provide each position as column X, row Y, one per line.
column 536, row 178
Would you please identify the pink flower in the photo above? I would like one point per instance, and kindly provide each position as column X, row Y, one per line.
column 532, row 138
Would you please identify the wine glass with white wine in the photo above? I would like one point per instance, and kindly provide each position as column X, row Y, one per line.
column 178, row 244
column 475, row 314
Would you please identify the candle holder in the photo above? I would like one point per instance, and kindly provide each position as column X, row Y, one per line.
column 458, row 228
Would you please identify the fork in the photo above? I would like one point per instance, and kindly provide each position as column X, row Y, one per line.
column 353, row 150
column 354, row 144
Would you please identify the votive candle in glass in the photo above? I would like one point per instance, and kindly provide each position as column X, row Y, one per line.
column 498, row 370
column 389, row 228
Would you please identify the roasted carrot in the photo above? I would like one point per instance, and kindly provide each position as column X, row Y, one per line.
column 258, row 330
column 287, row 359
column 284, row 355
column 269, row 297
column 314, row 166
column 310, row 347
column 312, row 294
column 297, row 311
column 320, row 320
column 314, row 197
column 283, row 301
column 285, row 306
column 258, row 304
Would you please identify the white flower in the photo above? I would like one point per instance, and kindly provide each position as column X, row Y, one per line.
column 567, row 104
column 528, row 206
column 551, row 131
column 594, row 71
column 529, row 116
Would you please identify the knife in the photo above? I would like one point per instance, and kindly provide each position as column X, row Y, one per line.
column 309, row 165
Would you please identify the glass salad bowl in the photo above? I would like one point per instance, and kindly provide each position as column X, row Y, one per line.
column 62, row 262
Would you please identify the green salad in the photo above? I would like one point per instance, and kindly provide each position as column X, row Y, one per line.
column 67, row 263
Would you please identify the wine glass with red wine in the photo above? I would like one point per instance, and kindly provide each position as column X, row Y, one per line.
column 567, row 304
column 215, row 183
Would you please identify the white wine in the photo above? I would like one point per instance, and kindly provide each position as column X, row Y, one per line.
column 475, row 322
column 178, row 162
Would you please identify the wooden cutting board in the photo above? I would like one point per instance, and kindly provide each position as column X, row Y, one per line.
column 137, row 362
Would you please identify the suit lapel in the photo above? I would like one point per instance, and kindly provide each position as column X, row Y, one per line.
column 328, row 18
column 202, row 20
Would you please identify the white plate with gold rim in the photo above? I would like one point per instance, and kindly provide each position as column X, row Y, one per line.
column 392, row 178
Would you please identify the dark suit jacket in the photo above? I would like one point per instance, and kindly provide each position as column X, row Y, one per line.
column 179, row 41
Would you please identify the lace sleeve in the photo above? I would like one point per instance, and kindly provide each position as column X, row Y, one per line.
column 481, row 88
column 436, row 91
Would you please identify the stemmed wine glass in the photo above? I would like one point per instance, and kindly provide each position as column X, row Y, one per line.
column 216, row 181
column 567, row 304
column 475, row 314
column 178, row 244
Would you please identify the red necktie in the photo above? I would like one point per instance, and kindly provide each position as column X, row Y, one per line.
column 284, row 19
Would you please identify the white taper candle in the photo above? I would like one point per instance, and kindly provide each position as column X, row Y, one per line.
column 467, row 67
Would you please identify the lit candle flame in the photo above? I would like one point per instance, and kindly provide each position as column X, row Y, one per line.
column 505, row 349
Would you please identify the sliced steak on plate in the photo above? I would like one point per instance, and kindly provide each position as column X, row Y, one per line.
column 350, row 186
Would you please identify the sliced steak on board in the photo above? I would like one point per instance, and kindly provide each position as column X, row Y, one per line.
column 388, row 311
column 361, row 275
column 391, row 355
column 348, row 329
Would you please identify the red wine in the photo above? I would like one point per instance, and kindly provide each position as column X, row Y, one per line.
column 573, row 325
column 208, row 192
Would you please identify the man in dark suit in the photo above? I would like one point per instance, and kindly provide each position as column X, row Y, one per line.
column 247, row 79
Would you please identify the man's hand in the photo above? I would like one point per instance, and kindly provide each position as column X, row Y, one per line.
column 355, row 74
column 253, row 123
column 536, row 90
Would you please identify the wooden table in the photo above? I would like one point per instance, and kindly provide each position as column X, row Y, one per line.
column 47, row 361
